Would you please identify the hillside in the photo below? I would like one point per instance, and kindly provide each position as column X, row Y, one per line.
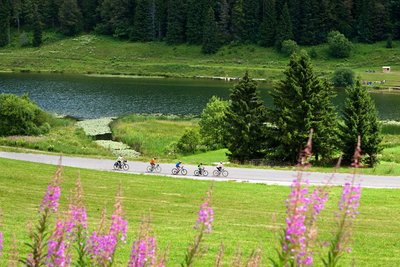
column 92, row 54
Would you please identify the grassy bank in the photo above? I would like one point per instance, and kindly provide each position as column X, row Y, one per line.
column 91, row 54
column 243, row 212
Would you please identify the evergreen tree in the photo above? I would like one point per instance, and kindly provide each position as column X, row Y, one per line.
column 342, row 17
column 251, row 20
column 37, row 28
column 245, row 120
column 309, row 24
column 176, row 22
column 143, row 26
column 237, row 20
column 224, row 21
column 16, row 6
column 49, row 11
column 89, row 14
column 161, row 18
column 70, row 18
column 360, row 118
column 195, row 21
column 210, row 33
column 5, row 11
column 268, row 26
column 395, row 18
column 301, row 101
column 284, row 29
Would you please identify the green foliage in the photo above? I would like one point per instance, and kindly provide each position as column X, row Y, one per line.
column 285, row 29
column 143, row 24
column 245, row 122
column 4, row 22
column 301, row 101
column 176, row 22
column 37, row 28
column 195, row 24
column 360, row 118
column 212, row 123
column 20, row 116
column 339, row 45
column 268, row 25
column 343, row 77
column 70, row 18
column 23, row 40
column 289, row 47
column 210, row 34
column 189, row 141
column 389, row 42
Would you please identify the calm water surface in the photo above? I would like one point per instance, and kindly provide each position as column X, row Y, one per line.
column 94, row 97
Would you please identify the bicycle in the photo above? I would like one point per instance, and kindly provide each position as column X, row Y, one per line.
column 123, row 166
column 204, row 172
column 217, row 172
column 154, row 168
column 182, row 170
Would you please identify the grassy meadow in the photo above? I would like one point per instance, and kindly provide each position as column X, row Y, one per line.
column 92, row 54
column 246, row 215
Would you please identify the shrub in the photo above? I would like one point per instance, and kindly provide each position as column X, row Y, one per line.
column 289, row 47
column 339, row 45
column 20, row 116
column 343, row 77
column 313, row 53
column 23, row 40
column 389, row 42
column 189, row 141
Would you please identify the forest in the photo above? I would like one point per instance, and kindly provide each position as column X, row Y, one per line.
column 211, row 22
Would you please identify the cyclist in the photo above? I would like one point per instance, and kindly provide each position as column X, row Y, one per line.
column 220, row 166
column 120, row 160
column 200, row 166
column 153, row 163
column 178, row 165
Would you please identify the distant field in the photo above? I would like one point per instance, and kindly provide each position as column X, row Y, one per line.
column 243, row 212
column 104, row 55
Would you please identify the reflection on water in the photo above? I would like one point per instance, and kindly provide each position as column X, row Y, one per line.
column 93, row 97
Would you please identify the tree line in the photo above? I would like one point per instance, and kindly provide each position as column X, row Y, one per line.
column 208, row 22
column 301, row 102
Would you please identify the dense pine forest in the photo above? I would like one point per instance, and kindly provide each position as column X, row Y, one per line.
column 209, row 22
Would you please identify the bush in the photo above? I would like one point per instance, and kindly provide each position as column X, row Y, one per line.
column 189, row 141
column 289, row 47
column 339, row 45
column 313, row 53
column 343, row 77
column 389, row 42
column 20, row 116
column 23, row 40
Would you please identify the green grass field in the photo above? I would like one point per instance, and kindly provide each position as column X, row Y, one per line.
column 243, row 212
column 91, row 54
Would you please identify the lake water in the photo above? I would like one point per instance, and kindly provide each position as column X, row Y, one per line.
column 93, row 97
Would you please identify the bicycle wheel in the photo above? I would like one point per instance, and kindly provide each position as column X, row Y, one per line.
column 196, row 172
column 225, row 173
column 125, row 167
column 149, row 168
column 174, row 171
column 116, row 166
column 205, row 173
column 157, row 168
column 216, row 173
column 184, row 171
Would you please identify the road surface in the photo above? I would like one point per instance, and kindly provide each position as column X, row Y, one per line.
column 272, row 177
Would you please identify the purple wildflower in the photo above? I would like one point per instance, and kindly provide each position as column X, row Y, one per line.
column 52, row 196
column 143, row 252
column 56, row 254
column 77, row 220
column 206, row 214
column 102, row 248
column 1, row 242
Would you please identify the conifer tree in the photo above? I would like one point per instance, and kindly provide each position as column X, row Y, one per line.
column 301, row 101
column 269, row 23
column 5, row 11
column 195, row 21
column 360, row 118
column 176, row 22
column 284, row 29
column 342, row 17
column 161, row 18
column 224, row 21
column 210, row 33
column 245, row 120
column 16, row 7
column 37, row 28
column 237, row 20
column 70, row 18
column 89, row 14
column 251, row 20
column 143, row 26
column 49, row 10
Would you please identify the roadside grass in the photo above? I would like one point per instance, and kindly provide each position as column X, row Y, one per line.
column 209, row 158
column 64, row 137
column 151, row 135
column 92, row 54
column 246, row 215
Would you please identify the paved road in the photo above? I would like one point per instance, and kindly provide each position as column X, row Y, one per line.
column 235, row 174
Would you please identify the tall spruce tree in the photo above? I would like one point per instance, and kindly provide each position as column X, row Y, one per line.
column 210, row 33
column 360, row 118
column 70, row 18
column 143, row 23
column 5, row 11
column 176, row 22
column 89, row 14
column 224, row 21
column 301, row 101
column 37, row 28
column 269, row 23
column 237, row 20
column 161, row 18
column 16, row 7
column 245, row 122
column 284, row 30
column 251, row 20
column 195, row 21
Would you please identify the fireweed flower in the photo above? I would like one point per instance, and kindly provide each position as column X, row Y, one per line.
column 1, row 242
column 205, row 216
column 52, row 196
column 57, row 254
column 143, row 252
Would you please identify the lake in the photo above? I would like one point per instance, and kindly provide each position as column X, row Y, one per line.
column 93, row 97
